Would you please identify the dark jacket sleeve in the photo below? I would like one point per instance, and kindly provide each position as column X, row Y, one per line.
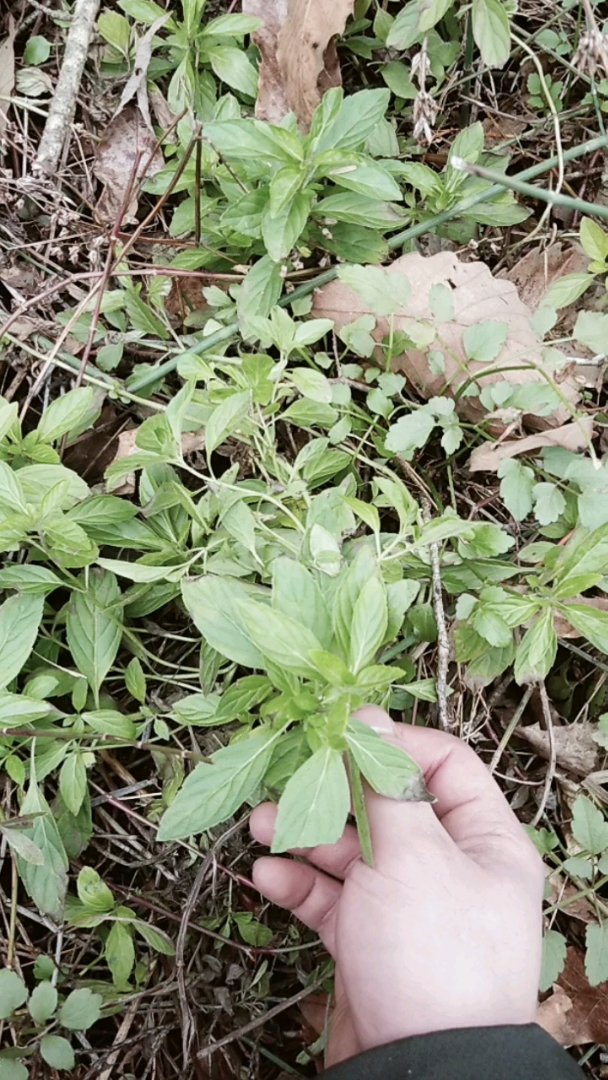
column 498, row 1053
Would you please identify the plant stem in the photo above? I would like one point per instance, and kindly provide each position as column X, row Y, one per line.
column 514, row 183
column 227, row 333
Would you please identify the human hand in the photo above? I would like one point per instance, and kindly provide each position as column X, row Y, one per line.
column 445, row 930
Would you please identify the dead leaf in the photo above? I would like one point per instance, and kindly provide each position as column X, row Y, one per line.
column 7, row 73
column 575, row 1014
column 561, row 891
column 299, row 57
column 576, row 750
column 136, row 85
column 477, row 296
column 127, row 153
column 574, row 437
column 164, row 117
column 316, row 1010
column 541, row 267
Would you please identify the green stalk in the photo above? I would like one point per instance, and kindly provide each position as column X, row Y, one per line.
column 514, row 183
column 227, row 333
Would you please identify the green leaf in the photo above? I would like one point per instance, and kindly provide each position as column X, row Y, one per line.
column 491, row 31
column 549, row 503
column 73, row 781
column 582, row 563
column 295, row 591
column 554, row 958
column 253, row 141
column 19, row 842
column 69, row 412
column 589, row 826
column 251, row 930
column 591, row 329
column 13, row 992
column 234, row 68
column 591, row 622
column 29, row 578
column 387, row 768
column 282, row 231
column 384, row 293
column 20, row 618
column 536, row 652
column 155, row 938
column 567, row 290
column 110, row 722
column 357, row 118
column 135, row 680
column 369, row 623
column 46, row 883
column 347, row 594
column 80, row 1010
column 411, row 432
column 214, row 792
column 57, row 1052
column 225, row 419
column 361, row 210
column 200, row 710
column 279, row 638
column 516, row 487
column 596, row 955
column 405, row 30
column 431, row 12
column 594, row 240
column 312, row 384
column 94, row 627
column 213, row 605
column 37, row 50
column 12, row 1070
column 314, row 806
column 120, row 954
column 43, row 1002
column 93, row 892
column 485, row 340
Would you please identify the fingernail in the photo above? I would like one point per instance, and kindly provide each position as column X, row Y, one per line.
column 376, row 718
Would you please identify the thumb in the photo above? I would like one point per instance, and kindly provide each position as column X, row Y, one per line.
column 392, row 822
column 470, row 810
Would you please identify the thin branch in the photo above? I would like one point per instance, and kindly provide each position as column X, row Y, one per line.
column 550, row 774
column 260, row 1020
column 63, row 105
column 443, row 645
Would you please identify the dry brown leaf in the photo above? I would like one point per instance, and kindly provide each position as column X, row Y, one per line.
column 7, row 73
column 541, row 267
column 575, row 1013
column 136, row 85
column 127, row 153
column 574, row 437
column 477, row 296
column 574, row 744
column 562, row 892
column 299, row 57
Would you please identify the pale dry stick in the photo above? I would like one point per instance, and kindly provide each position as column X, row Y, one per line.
column 509, row 731
column 120, row 1038
column 443, row 645
column 188, row 1025
column 63, row 105
column 550, row 774
column 260, row 1020
column 556, row 124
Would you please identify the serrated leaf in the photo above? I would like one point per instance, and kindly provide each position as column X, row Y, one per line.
column 20, row 618
column 554, row 958
column 537, row 650
column 369, row 623
column 491, row 31
column 383, row 292
column 13, row 992
column 410, row 432
column 155, row 938
column 388, row 769
column 212, row 603
column 589, row 827
column 93, row 893
column 279, row 638
column 591, row 622
column 596, row 955
column 225, row 419
column 314, row 805
column 296, row 592
column 80, row 1010
column 119, row 953
column 214, row 792
column 516, row 487
column 43, row 1002
column 94, row 627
